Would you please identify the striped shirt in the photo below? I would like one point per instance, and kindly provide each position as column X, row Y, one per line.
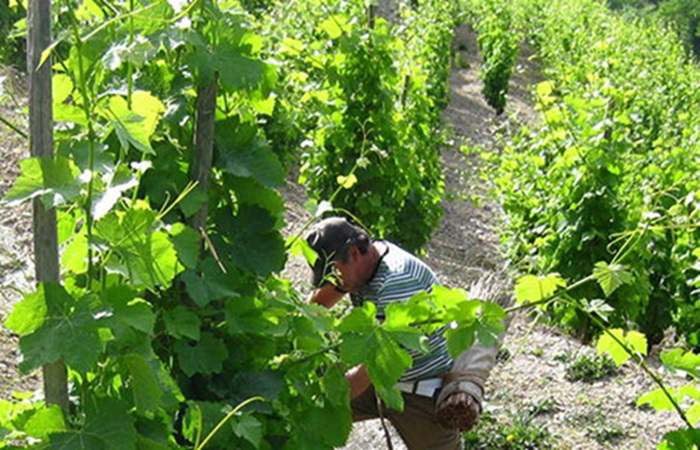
column 398, row 277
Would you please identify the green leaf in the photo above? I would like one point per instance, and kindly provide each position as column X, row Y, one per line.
column 144, row 256
column 252, row 242
column 328, row 424
column 182, row 323
column 128, row 310
column 384, row 359
column 244, row 385
column 656, row 399
column 118, row 180
column 193, row 202
column 54, row 180
column 235, row 70
column 251, row 192
column 608, row 343
column 187, row 244
column 347, row 182
column 331, row 26
column 149, row 107
column 300, row 247
column 212, row 284
column 684, row 439
column 131, row 128
column 246, row 426
column 531, row 288
column 679, row 359
column 74, row 257
column 459, row 340
column 243, row 152
column 29, row 314
column 361, row 319
column 205, row 356
column 143, row 383
column 45, row 421
column 545, row 88
column 107, row 426
column 69, row 332
column 599, row 307
column 62, row 86
column 611, row 277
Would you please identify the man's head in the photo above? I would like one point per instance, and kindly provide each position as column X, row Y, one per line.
column 336, row 241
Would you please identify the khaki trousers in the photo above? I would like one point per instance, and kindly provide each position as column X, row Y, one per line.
column 415, row 424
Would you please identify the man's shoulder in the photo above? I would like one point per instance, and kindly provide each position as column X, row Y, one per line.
column 400, row 261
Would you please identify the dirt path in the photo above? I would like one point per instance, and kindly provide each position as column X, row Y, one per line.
column 16, row 261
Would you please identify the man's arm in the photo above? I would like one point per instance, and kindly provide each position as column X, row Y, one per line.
column 358, row 379
column 326, row 296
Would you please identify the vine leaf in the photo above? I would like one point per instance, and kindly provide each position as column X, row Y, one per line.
column 599, row 307
column 243, row 152
column 128, row 311
column 681, row 439
column 332, row 26
column 634, row 340
column 246, row 426
column 182, row 323
column 45, row 421
column 118, row 181
column 252, row 243
column 141, row 253
column 611, row 276
column 681, row 360
column 67, row 330
column 205, row 356
column 187, row 244
column 131, row 128
column 347, row 182
column 365, row 342
column 658, row 400
column 144, row 384
column 55, row 180
column 107, row 426
column 532, row 288
column 30, row 313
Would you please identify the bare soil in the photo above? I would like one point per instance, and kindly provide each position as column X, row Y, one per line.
column 578, row 414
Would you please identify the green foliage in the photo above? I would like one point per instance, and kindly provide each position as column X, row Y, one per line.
column 597, row 426
column 12, row 44
column 521, row 433
column 682, row 17
column 590, row 369
column 164, row 327
column 621, row 346
column 498, row 41
column 602, row 178
column 379, row 127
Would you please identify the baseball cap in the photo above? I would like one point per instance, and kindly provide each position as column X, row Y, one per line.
column 330, row 238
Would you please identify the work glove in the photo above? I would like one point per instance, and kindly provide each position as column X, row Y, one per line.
column 458, row 411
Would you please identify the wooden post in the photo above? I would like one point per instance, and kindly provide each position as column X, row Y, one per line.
column 203, row 147
column 41, row 145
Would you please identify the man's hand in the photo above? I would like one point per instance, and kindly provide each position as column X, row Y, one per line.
column 459, row 411
column 358, row 379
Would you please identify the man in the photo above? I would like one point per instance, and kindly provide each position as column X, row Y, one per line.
column 442, row 397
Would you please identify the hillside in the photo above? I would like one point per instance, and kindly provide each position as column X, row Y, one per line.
column 528, row 395
column 528, row 391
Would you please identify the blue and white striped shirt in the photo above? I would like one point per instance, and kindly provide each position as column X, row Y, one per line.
column 399, row 276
